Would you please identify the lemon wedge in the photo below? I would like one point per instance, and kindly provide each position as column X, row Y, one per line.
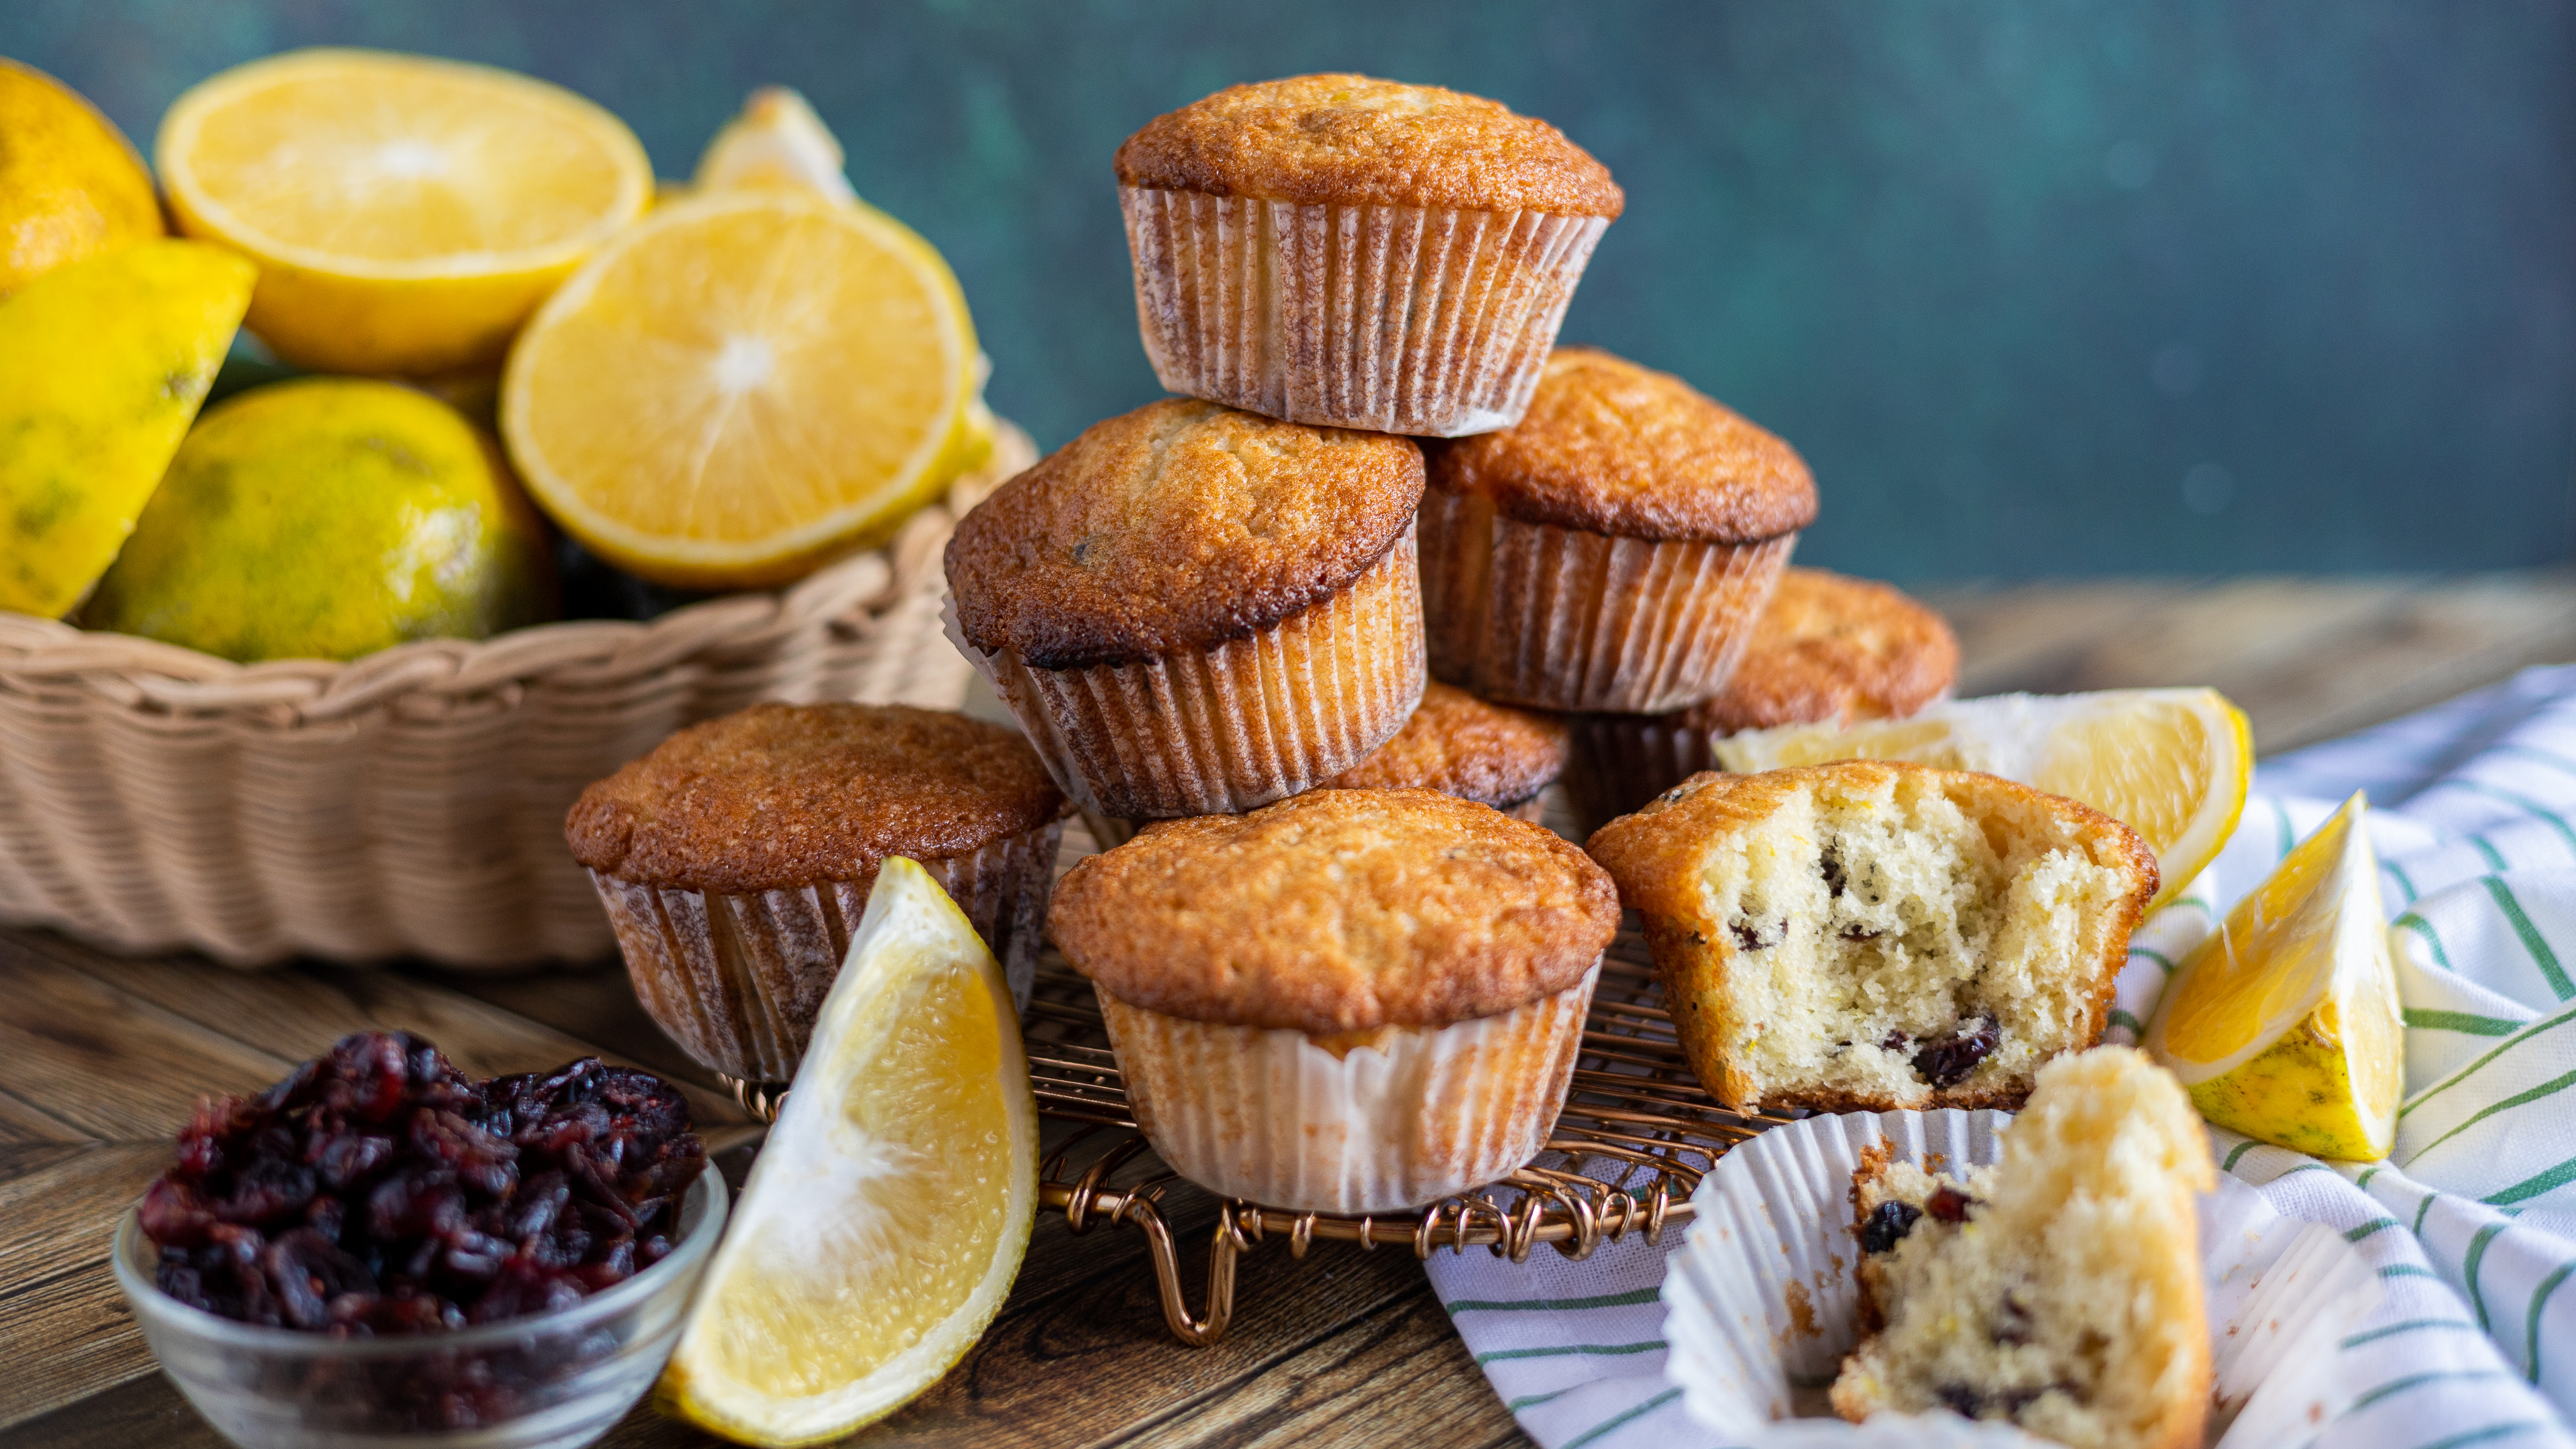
column 2284, row 1022
column 743, row 385
column 776, row 141
column 888, row 1212
column 407, row 214
column 102, row 365
column 2171, row 764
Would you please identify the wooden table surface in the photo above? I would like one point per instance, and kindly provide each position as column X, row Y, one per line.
column 101, row 1058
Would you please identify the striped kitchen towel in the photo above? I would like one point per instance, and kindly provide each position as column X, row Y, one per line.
column 2471, row 1222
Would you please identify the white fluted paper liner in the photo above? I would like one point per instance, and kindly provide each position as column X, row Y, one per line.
column 1761, row 1303
column 1234, row 727
column 736, row 979
column 1419, row 1114
column 1397, row 319
column 1562, row 619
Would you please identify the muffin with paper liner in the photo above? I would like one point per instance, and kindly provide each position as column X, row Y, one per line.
column 1341, row 250
column 1193, row 610
column 1613, row 550
column 1456, row 744
column 736, row 858
column 1355, row 1001
column 1828, row 650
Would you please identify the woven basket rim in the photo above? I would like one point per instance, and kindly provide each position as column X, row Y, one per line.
column 151, row 677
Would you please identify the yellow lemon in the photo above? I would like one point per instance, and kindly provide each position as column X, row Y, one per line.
column 889, row 1210
column 407, row 214
column 2171, row 764
column 70, row 183
column 326, row 518
column 2284, row 1022
column 743, row 385
column 102, row 364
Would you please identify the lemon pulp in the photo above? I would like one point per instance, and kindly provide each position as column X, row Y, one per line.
column 2284, row 1022
column 407, row 213
column 2171, row 764
column 889, row 1210
column 743, row 385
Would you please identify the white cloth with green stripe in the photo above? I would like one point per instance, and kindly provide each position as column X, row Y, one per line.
column 2471, row 1222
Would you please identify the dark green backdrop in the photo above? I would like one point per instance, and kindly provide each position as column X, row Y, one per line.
column 2045, row 288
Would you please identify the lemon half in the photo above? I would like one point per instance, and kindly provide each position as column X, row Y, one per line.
column 2171, row 764
column 2284, row 1022
column 744, row 385
column 407, row 214
column 888, row 1213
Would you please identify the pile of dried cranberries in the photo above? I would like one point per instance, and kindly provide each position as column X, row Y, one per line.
column 377, row 1191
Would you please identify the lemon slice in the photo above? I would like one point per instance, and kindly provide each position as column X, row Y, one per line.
column 102, row 364
column 888, row 1212
column 2171, row 764
column 407, row 213
column 2284, row 1022
column 741, row 386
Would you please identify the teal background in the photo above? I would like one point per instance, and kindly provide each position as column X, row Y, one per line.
column 2039, row 289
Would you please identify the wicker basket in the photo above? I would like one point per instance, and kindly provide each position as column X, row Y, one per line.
column 410, row 803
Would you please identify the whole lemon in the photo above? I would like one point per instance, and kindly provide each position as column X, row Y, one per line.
column 71, row 185
column 326, row 518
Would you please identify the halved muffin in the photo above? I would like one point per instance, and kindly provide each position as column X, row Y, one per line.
column 1869, row 935
column 2059, row 1289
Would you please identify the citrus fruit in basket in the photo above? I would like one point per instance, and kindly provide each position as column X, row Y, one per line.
column 407, row 214
column 2284, row 1022
column 2171, row 764
column 70, row 184
column 102, row 364
column 743, row 385
column 888, row 1212
column 325, row 518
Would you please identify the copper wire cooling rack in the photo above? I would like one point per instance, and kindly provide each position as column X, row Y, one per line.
column 1636, row 1136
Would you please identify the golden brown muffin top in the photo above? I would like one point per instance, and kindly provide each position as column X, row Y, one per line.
column 784, row 795
column 1335, row 911
column 1655, row 853
column 1830, row 648
column 1181, row 525
column 1611, row 447
column 1459, row 745
column 1319, row 140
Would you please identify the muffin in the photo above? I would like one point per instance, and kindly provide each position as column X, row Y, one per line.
column 1869, row 935
column 2059, row 1289
column 1456, row 744
column 736, row 858
column 1827, row 650
column 1193, row 610
column 1355, row 1001
column 1356, row 253
column 1613, row 550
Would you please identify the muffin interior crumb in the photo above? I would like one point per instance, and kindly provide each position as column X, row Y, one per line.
column 2059, row 1290
column 1890, row 947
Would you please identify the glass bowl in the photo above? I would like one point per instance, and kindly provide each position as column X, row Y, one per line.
column 554, row 1380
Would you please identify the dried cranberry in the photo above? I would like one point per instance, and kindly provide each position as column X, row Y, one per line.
column 1949, row 1061
column 1961, row 1398
column 1948, row 1204
column 1887, row 1225
column 377, row 1191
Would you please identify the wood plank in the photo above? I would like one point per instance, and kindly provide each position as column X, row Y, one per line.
column 64, row 1330
column 23, row 1124
column 594, row 1002
column 298, row 1014
column 108, row 1063
column 2024, row 638
column 149, row 1410
column 1398, row 1378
